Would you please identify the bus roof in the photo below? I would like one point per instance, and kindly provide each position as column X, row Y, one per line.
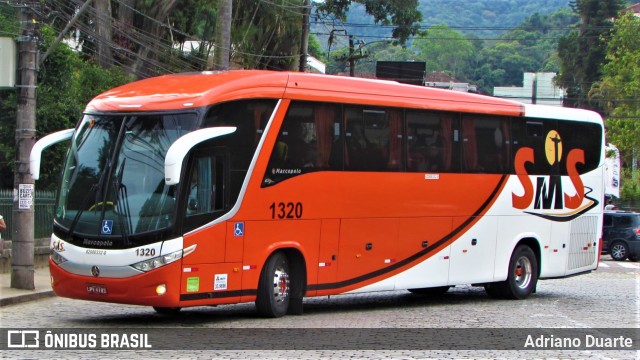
column 190, row 90
column 193, row 90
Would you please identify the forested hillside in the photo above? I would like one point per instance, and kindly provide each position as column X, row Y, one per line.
column 483, row 18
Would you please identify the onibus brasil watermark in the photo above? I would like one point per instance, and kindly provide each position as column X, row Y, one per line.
column 37, row 339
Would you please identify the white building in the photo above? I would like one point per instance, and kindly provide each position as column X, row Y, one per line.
column 537, row 87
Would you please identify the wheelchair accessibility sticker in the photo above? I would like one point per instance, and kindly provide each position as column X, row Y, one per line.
column 107, row 227
column 238, row 229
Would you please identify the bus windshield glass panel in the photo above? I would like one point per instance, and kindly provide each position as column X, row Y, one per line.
column 113, row 179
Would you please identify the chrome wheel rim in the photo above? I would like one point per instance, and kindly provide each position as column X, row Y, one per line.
column 280, row 284
column 522, row 272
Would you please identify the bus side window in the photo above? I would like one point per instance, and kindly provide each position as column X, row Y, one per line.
column 306, row 142
column 429, row 142
column 205, row 193
column 582, row 136
column 201, row 187
column 485, row 144
column 367, row 139
column 532, row 133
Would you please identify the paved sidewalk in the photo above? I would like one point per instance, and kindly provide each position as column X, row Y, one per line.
column 10, row 296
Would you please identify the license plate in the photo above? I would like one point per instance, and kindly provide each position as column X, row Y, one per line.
column 97, row 289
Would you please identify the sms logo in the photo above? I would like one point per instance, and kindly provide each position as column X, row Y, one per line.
column 547, row 199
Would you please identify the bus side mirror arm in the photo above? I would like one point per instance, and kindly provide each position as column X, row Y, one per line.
column 181, row 147
column 35, row 156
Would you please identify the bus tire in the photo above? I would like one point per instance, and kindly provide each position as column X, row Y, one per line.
column 274, row 290
column 431, row 291
column 167, row 310
column 522, row 276
column 494, row 290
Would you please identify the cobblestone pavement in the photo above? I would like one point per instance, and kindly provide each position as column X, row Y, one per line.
column 606, row 298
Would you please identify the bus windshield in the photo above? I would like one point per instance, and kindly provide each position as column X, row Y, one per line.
column 113, row 179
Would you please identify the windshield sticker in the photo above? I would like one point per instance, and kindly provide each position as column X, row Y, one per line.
column 107, row 227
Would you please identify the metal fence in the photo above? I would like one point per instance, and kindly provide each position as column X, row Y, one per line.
column 45, row 202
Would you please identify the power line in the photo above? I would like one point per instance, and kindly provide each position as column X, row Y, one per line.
column 453, row 38
column 143, row 39
column 486, row 28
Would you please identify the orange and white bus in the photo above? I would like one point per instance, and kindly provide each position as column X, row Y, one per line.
column 216, row 188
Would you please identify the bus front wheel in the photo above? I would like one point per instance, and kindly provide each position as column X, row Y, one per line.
column 274, row 288
column 167, row 310
column 522, row 277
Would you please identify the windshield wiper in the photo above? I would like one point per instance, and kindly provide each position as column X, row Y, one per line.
column 84, row 204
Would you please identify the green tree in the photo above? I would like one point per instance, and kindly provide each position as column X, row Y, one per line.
column 445, row 50
column 582, row 52
column 65, row 84
column 530, row 47
column 502, row 65
column 266, row 35
column 373, row 52
column 618, row 93
column 403, row 14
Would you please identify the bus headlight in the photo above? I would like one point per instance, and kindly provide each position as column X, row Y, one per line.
column 57, row 258
column 163, row 260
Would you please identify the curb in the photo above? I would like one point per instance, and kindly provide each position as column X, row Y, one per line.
column 26, row 297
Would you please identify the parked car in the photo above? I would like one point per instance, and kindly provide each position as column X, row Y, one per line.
column 621, row 235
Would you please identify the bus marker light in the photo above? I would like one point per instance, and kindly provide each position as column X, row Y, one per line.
column 248, row 267
column 324, row 264
column 555, row 250
column 161, row 289
column 389, row 261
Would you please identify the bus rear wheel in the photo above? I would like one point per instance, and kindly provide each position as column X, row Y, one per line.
column 522, row 276
column 274, row 288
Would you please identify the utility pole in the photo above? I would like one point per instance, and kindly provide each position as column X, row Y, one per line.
column 352, row 60
column 304, row 48
column 223, row 35
column 22, row 245
column 352, row 57
column 534, row 89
